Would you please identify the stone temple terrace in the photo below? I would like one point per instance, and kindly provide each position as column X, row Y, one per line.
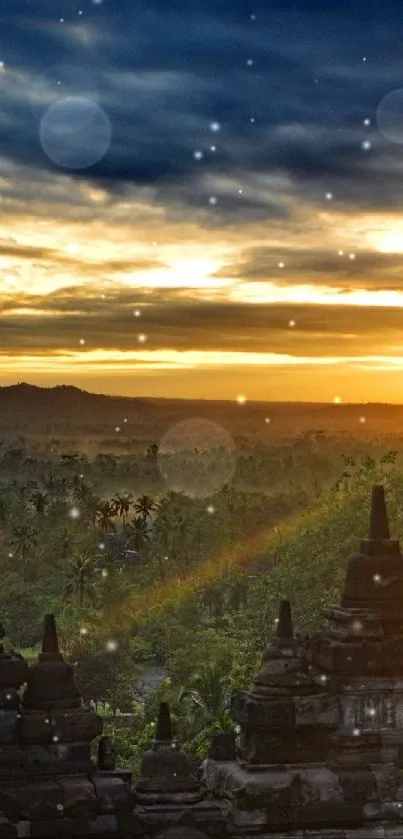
column 319, row 753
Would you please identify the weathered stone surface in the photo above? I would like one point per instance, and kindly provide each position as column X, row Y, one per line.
column 358, row 786
column 58, row 758
column 11, row 762
column 106, row 759
column 34, row 727
column 107, row 791
column 326, row 833
column 337, row 657
column 318, row 783
column 10, row 699
column 7, row 830
column 62, row 829
column 388, row 780
column 268, row 746
column 322, row 709
column 50, row 685
column 252, row 819
column 255, row 789
column 255, row 712
column 184, row 833
column 382, row 811
column 23, row 829
column 214, row 776
column 103, row 827
column 75, row 725
column 40, row 800
column 124, row 775
column 13, row 670
column 8, row 727
column 9, row 802
column 78, row 796
column 206, row 817
column 326, row 815
column 222, row 746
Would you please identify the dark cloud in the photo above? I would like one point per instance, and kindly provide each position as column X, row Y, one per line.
column 172, row 323
column 163, row 76
column 368, row 270
column 291, row 129
column 55, row 258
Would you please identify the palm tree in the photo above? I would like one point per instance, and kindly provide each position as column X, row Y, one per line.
column 160, row 562
column 180, row 534
column 212, row 689
column 207, row 598
column 39, row 500
column 89, row 506
column 116, row 544
column 83, row 492
column 161, row 529
column 237, row 592
column 104, row 516
column 144, row 506
column 121, row 505
column 138, row 534
column 80, row 576
column 171, row 531
column 4, row 508
column 203, row 699
column 64, row 542
column 24, row 541
column 212, row 596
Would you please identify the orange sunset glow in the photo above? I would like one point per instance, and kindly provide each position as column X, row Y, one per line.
column 187, row 248
column 99, row 306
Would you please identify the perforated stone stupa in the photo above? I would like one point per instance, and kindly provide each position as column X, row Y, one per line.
column 49, row 786
column 320, row 750
column 319, row 753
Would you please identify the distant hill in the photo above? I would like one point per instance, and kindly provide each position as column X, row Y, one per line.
column 61, row 396
column 63, row 409
column 67, row 411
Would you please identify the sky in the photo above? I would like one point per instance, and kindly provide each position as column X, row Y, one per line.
column 203, row 200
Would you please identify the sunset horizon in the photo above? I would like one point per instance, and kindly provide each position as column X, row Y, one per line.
column 240, row 400
column 230, row 226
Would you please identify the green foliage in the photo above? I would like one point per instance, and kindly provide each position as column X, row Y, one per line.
column 22, row 616
column 199, row 745
column 104, row 675
column 306, row 497
column 130, row 743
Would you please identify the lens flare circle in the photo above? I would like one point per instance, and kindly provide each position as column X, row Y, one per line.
column 75, row 133
column 196, row 457
column 389, row 116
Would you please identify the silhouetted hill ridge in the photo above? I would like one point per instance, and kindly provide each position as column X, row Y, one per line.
column 68, row 411
column 65, row 398
column 66, row 395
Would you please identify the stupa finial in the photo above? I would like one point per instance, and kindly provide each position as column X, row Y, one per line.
column 285, row 630
column 163, row 732
column 50, row 643
column 378, row 525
